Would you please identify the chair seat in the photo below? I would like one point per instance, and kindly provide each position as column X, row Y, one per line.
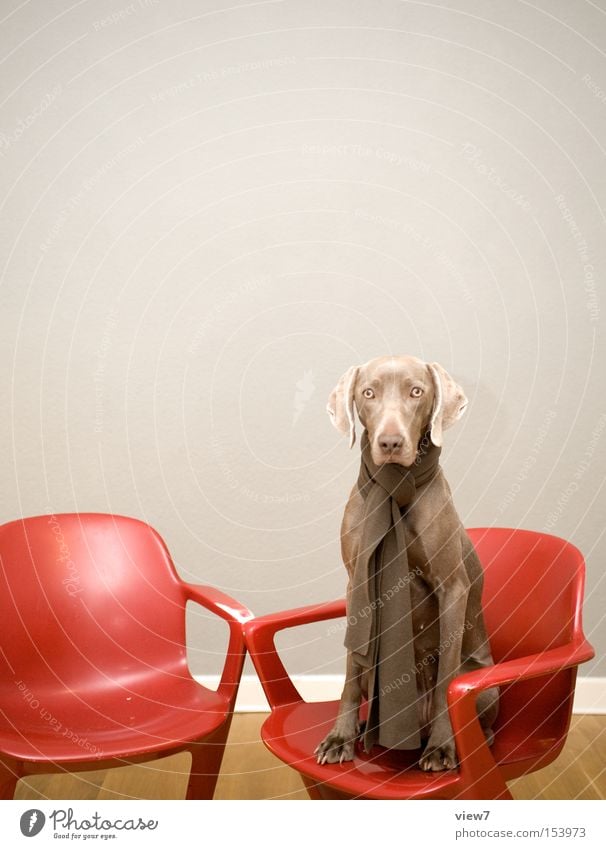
column 293, row 731
column 114, row 722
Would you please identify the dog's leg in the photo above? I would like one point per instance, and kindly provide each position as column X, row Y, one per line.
column 338, row 745
column 487, row 703
column 475, row 651
column 451, row 591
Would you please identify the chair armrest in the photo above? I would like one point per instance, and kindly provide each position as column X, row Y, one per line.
column 530, row 666
column 235, row 614
column 259, row 634
column 218, row 602
column 477, row 765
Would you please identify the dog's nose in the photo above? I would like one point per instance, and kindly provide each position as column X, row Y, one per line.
column 390, row 442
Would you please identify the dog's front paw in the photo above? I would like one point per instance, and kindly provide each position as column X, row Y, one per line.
column 335, row 748
column 439, row 757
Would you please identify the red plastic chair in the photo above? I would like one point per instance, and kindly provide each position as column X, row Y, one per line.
column 533, row 592
column 93, row 668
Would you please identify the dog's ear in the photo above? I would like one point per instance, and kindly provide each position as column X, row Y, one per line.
column 340, row 405
column 449, row 402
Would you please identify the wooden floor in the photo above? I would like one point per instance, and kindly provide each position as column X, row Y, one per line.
column 250, row 772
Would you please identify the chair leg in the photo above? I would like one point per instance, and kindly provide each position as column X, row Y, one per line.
column 10, row 773
column 489, row 786
column 311, row 787
column 207, row 755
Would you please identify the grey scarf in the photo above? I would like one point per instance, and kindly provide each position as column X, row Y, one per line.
column 379, row 624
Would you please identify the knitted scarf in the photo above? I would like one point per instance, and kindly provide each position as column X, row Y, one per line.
column 379, row 622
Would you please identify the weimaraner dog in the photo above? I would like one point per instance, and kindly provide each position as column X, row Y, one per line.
column 399, row 399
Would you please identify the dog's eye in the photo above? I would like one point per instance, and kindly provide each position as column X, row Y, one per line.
column 368, row 393
column 416, row 391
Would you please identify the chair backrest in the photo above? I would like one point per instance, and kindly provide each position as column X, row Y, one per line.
column 532, row 601
column 85, row 597
column 533, row 586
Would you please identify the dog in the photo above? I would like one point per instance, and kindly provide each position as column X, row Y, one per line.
column 400, row 399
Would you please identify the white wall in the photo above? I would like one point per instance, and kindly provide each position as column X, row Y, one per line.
column 210, row 210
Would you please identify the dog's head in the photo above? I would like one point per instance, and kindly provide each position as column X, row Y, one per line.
column 397, row 400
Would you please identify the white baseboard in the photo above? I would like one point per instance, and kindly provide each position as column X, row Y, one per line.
column 590, row 694
column 251, row 698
